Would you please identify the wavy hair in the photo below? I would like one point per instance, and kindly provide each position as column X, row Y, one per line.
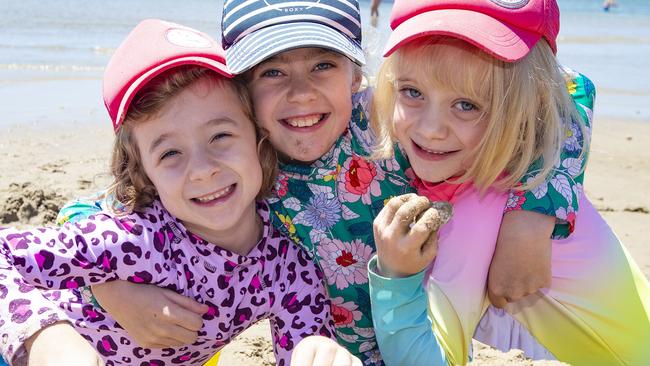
column 131, row 189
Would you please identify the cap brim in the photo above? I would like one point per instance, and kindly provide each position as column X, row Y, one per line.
column 269, row 41
column 494, row 37
column 143, row 79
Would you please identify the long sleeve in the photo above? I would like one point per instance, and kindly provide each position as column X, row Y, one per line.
column 67, row 257
column 402, row 325
column 302, row 306
column 34, row 311
column 24, row 310
column 74, row 255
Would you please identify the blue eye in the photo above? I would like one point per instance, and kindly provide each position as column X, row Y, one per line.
column 169, row 154
column 411, row 93
column 466, row 106
column 219, row 136
column 324, row 66
column 272, row 73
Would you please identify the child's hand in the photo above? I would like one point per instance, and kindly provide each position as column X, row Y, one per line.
column 322, row 351
column 522, row 259
column 60, row 344
column 153, row 317
column 406, row 234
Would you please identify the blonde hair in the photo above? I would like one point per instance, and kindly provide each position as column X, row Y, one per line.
column 131, row 189
column 526, row 106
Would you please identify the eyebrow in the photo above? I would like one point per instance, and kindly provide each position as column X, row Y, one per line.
column 406, row 80
column 313, row 53
column 210, row 123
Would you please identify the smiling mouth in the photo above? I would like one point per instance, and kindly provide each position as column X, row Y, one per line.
column 215, row 196
column 305, row 121
column 433, row 154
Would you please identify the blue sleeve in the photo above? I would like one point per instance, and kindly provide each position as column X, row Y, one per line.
column 402, row 324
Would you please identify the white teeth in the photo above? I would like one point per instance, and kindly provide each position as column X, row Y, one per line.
column 305, row 121
column 215, row 195
column 433, row 152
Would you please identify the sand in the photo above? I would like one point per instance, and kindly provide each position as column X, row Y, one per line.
column 43, row 165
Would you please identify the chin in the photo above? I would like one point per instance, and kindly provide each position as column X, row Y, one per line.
column 431, row 178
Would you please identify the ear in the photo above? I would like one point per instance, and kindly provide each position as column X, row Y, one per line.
column 357, row 78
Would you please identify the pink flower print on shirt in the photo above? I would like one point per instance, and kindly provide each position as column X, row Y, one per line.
column 344, row 263
column 567, row 215
column 359, row 178
column 515, row 200
column 281, row 185
column 345, row 313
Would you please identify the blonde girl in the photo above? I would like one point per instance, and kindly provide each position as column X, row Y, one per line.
column 474, row 95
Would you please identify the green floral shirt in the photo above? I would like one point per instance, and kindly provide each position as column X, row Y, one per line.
column 329, row 206
column 558, row 196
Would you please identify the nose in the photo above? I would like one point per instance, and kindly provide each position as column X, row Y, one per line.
column 202, row 166
column 433, row 123
column 301, row 90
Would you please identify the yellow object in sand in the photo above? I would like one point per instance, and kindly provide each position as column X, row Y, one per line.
column 213, row 361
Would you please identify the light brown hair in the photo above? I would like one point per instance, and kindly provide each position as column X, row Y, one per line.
column 131, row 189
column 526, row 106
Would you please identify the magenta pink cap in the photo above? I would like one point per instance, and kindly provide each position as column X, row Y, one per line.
column 151, row 48
column 506, row 29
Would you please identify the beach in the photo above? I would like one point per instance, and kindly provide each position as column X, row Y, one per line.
column 56, row 138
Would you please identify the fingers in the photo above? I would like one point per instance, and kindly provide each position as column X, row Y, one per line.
column 187, row 302
column 430, row 248
column 187, row 314
column 444, row 211
column 386, row 215
column 321, row 351
column 173, row 336
column 425, row 228
column 407, row 214
column 324, row 356
column 303, row 355
column 162, row 335
column 344, row 358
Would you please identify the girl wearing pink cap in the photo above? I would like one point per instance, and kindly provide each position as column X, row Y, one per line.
column 474, row 95
column 190, row 171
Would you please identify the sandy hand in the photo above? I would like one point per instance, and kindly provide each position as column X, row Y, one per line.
column 406, row 234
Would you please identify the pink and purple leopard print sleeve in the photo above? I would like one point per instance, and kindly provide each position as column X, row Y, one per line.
column 277, row 280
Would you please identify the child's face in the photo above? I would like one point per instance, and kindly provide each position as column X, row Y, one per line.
column 200, row 152
column 303, row 97
column 437, row 127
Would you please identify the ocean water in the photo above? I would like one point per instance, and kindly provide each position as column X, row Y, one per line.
column 52, row 53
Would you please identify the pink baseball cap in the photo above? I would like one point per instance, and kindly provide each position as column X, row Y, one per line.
column 151, row 48
column 506, row 29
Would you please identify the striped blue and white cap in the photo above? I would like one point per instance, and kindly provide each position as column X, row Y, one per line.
column 254, row 30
